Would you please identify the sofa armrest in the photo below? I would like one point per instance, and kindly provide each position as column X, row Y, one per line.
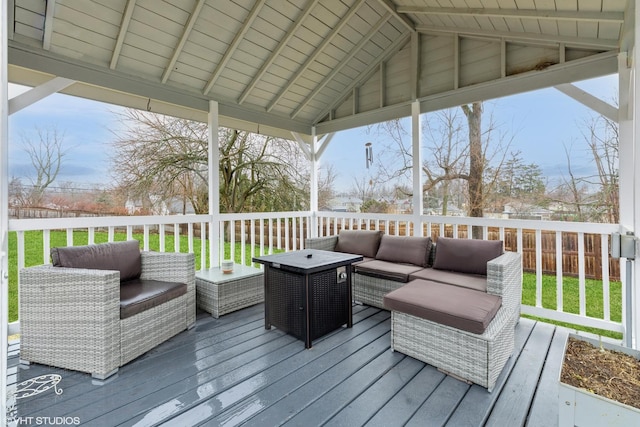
column 327, row 243
column 504, row 278
column 57, row 303
column 173, row 267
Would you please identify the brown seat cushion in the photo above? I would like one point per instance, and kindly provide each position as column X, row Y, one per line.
column 121, row 256
column 466, row 255
column 386, row 270
column 460, row 308
column 359, row 242
column 139, row 295
column 471, row 281
column 405, row 249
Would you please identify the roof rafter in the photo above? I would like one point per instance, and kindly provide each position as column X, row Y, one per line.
column 334, row 32
column 372, row 32
column 283, row 43
column 253, row 14
column 124, row 27
column 512, row 36
column 185, row 36
column 48, row 24
column 387, row 4
column 556, row 15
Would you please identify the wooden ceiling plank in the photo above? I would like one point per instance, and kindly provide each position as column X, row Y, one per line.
column 383, row 20
column 384, row 56
column 234, row 45
column 316, row 52
column 557, row 15
column 183, row 40
column 388, row 4
column 528, row 37
column 277, row 51
column 124, row 27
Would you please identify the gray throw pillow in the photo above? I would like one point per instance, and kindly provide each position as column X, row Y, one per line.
column 466, row 255
column 405, row 249
column 121, row 256
column 359, row 242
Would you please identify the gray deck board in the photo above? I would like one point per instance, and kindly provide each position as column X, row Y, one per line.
column 231, row 371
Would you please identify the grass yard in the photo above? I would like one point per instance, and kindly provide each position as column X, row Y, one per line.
column 34, row 250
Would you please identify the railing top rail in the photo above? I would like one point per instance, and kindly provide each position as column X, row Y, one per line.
column 264, row 215
column 104, row 221
column 586, row 227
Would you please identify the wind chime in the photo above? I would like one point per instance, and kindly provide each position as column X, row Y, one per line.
column 368, row 152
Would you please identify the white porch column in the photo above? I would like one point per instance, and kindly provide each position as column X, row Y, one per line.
column 4, row 204
column 313, row 189
column 634, row 97
column 214, row 186
column 416, row 137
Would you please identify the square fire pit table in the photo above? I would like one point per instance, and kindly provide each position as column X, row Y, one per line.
column 218, row 293
column 307, row 292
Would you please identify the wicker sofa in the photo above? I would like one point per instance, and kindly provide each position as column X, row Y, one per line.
column 453, row 304
column 100, row 306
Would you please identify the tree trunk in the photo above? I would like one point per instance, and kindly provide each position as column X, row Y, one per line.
column 476, row 163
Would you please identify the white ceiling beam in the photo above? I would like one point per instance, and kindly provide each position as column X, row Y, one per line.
column 328, row 39
column 124, row 27
column 283, row 43
column 372, row 32
column 556, row 15
column 596, row 104
column 37, row 93
column 366, row 74
column 48, row 24
column 512, row 36
column 183, row 40
column 388, row 4
column 253, row 14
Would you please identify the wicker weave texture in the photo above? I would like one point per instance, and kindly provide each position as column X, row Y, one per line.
column 371, row 290
column 327, row 243
column 223, row 298
column 70, row 317
column 476, row 358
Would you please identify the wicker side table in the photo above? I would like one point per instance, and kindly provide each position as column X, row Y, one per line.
column 219, row 293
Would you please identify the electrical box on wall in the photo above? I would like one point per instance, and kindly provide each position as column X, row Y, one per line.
column 623, row 246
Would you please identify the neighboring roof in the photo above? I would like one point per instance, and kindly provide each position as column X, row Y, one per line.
column 282, row 66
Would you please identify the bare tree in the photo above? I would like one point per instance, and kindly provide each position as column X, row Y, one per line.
column 161, row 158
column 46, row 154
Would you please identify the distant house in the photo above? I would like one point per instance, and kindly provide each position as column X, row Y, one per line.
column 344, row 204
column 526, row 211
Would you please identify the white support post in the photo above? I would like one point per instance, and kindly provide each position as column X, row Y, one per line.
column 416, row 137
column 214, row 187
column 313, row 203
column 634, row 97
column 4, row 204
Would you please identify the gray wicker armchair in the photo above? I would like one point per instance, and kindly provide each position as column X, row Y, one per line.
column 71, row 317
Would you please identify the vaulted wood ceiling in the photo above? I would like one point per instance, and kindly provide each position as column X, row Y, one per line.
column 277, row 66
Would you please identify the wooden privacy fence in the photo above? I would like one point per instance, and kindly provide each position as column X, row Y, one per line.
column 570, row 265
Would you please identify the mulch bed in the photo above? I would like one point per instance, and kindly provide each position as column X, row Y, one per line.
column 607, row 373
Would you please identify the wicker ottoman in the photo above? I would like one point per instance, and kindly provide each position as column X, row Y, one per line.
column 219, row 293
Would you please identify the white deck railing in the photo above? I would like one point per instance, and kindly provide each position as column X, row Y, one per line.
column 263, row 233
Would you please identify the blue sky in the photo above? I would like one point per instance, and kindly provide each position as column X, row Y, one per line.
column 540, row 123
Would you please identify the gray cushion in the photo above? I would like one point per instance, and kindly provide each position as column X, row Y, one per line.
column 121, row 256
column 405, row 249
column 359, row 242
column 471, row 281
column 452, row 306
column 138, row 295
column 386, row 270
column 466, row 255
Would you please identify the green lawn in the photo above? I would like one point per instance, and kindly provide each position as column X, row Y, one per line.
column 570, row 300
column 33, row 256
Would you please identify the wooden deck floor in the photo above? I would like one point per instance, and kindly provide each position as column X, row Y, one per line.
column 231, row 371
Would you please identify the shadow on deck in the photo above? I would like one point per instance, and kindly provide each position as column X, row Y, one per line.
column 231, row 371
